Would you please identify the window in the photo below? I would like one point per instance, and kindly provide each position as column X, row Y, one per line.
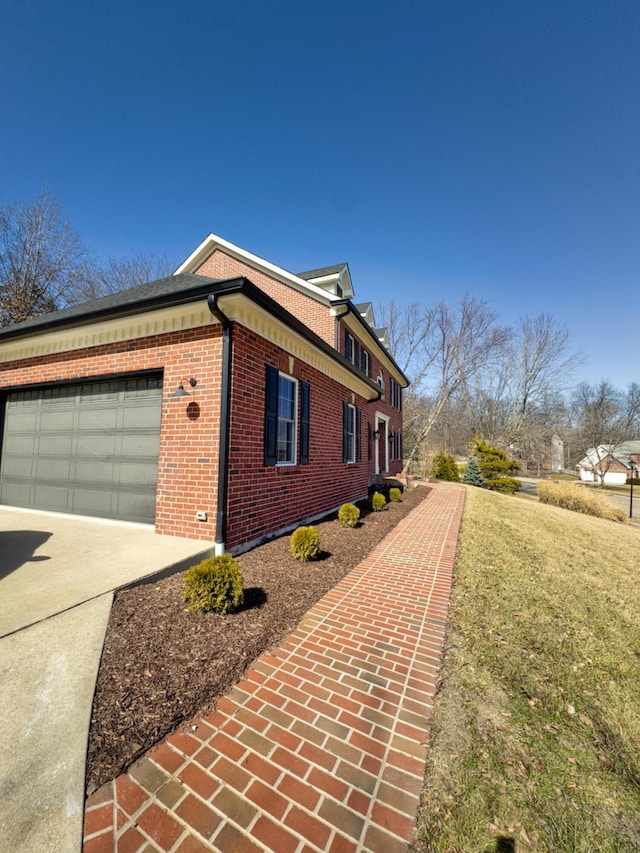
column 351, row 444
column 365, row 362
column 380, row 382
column 348, row 345
column 281, row 410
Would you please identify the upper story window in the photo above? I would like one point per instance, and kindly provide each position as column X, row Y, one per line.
column 365, row 362
column 380, row 381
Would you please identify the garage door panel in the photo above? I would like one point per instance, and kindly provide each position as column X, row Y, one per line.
column 55, row 445
column 19, row 467
column 88, row 448
column 141, row 417
column 136, row 444
column 100, row 472
column 61, row 420
column 97, row 419
column 97, row 445
column 25, row 419
column 137, row 474
column 92, row 502
column 50, row 470
column 20, row 445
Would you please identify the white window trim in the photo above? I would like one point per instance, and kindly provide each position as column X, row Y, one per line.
column 380, row 418
column 293, row 461
column 351, row 460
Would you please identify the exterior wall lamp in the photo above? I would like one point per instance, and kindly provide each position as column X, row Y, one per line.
column 180, row 392
column 376, row 433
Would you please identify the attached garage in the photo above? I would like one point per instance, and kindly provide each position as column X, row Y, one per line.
column 89, row 448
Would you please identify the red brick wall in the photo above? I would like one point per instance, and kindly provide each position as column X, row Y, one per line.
column 263, row 499
column 188, row 465
column 313, row 314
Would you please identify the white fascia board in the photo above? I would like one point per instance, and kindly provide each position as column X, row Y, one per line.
column 212, row 242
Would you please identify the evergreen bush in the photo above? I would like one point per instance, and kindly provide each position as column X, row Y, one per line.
column 395, row 495
column 305, row 543
column 214, row 585
column 348, row 515
column 378, row 502
column 496, row 467
column 472, row 474
column 444, row 467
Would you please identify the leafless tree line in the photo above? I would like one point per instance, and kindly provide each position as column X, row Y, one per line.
column 514, row 386
column 44, row 265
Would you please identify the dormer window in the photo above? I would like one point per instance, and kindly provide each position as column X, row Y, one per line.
column 380, row 381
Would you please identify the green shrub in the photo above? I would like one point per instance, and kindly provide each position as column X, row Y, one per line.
column 305, row 543
column 395, row 495
column 443, row 467
column 214, row 585
column 378, row 502
column 496, row 468
column 578, row 499
column 472, row 474
column 348, row 515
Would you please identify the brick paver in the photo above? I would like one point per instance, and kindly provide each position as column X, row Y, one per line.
column 322, row 745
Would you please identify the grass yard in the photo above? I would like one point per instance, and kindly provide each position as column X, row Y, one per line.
column 535, row 742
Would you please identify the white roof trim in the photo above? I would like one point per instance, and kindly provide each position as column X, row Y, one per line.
column 212, row 242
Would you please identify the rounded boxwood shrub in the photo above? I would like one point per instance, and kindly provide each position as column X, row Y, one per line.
column 348, row 515
column 395, row 495
column 378, row 502
column 305, row 543
column 214, row 585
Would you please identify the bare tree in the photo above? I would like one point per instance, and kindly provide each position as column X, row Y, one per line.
column 439, row 348
column 41, row 259
column 112, row 275
column 44, row 265
column 542, row 365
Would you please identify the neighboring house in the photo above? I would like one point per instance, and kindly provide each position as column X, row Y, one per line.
column 609, row 463
column 294, row 403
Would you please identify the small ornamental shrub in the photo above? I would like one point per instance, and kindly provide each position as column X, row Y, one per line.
column 348, row 515
column 579, row 499
column 444, row 467
column 395, row 495
column 214, row 585
column 378, row 502
column 472, row 474
column 305, row 543
column 496, row 468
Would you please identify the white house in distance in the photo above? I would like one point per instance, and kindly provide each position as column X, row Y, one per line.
column 610, row 463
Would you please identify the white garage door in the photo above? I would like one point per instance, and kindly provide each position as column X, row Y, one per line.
column 90, row 448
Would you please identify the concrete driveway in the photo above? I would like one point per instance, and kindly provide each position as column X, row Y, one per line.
column 57, row 578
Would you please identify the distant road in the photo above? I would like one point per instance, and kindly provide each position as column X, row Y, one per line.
column 530, row 487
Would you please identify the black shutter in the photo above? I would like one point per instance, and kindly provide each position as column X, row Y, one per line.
column 356, row 353
column 304, row 423
column 369, row 441
column 271, row 416
column 358, row 436
column 345, row 434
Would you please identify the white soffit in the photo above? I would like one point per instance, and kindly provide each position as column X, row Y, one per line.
column 142, row 325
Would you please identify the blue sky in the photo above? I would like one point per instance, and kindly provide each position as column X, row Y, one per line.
column 486, row 147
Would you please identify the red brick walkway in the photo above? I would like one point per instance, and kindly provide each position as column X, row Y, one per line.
column 322, row 746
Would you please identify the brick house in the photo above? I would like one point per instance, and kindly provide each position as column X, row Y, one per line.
column 612, row 464
column 228, row 402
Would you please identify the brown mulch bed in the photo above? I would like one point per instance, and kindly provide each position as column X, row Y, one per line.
column 162, row 665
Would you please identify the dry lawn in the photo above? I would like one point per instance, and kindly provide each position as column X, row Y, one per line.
column 535, row 742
